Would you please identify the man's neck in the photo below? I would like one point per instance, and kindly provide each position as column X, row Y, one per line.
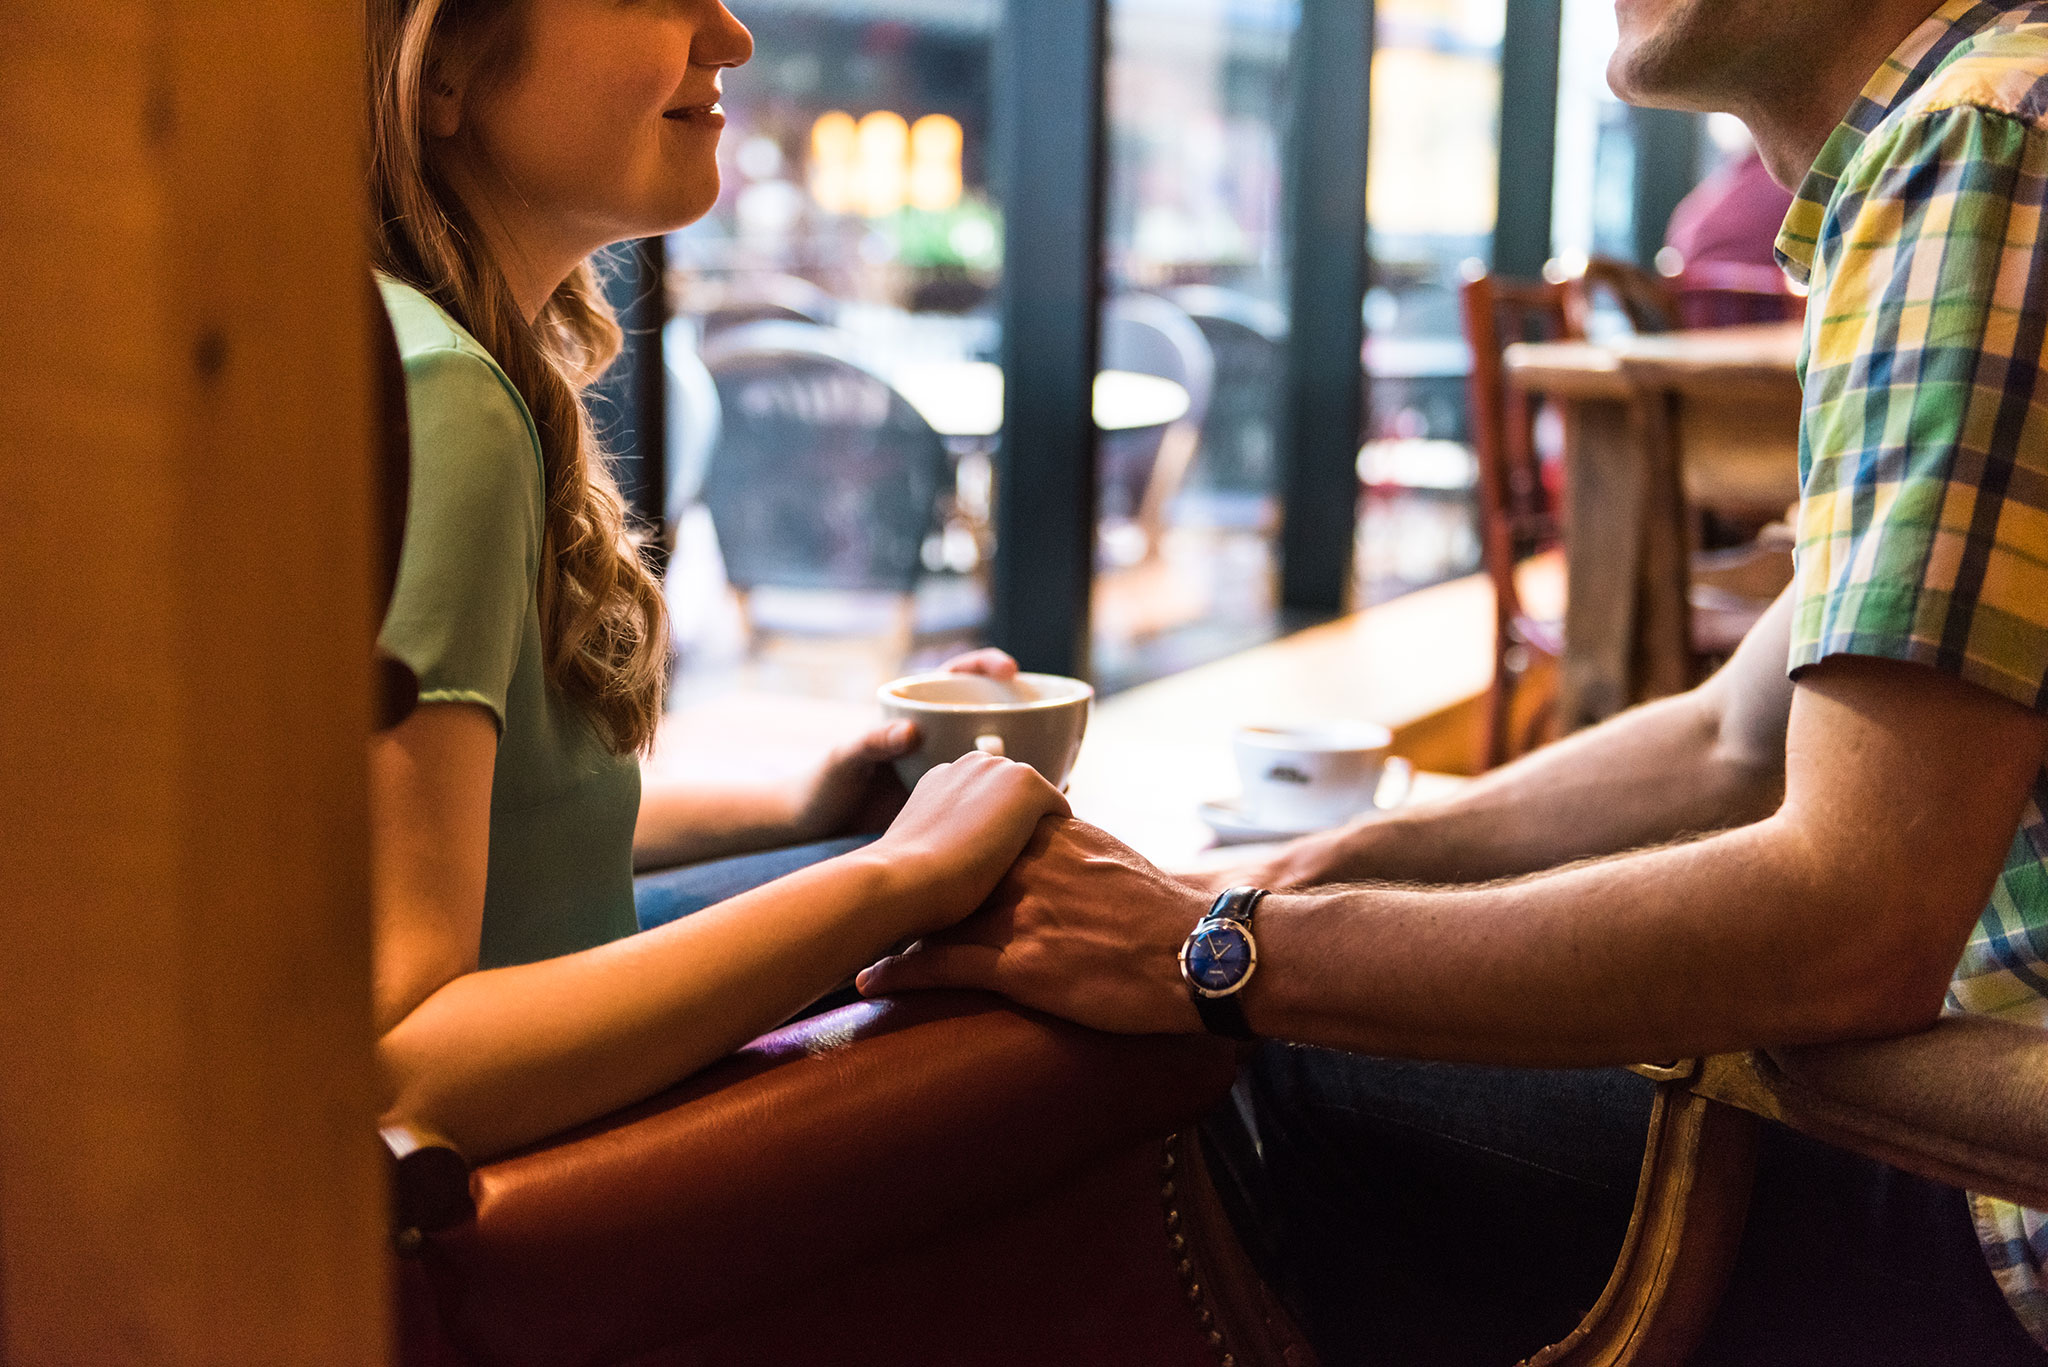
column 1793, row 123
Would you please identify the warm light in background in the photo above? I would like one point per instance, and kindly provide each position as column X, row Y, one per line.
column 936, row 142
column 834, row 142
column 884, row 164
column 879, row 164
column 1435, row 159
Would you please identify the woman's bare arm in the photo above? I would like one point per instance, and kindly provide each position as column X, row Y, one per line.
column 497, row 1058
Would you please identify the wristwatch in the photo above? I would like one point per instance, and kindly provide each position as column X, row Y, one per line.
column 1218, row 959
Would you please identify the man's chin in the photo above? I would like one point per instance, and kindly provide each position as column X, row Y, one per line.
column 1637, row 77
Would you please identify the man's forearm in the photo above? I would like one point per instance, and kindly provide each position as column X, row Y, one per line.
column 1647, row 777
column 1707, row 761
column 1604, row 963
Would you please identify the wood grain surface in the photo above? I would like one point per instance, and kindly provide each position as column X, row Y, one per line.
column 188, row 1171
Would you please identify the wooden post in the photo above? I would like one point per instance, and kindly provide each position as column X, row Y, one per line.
column 187, row 1095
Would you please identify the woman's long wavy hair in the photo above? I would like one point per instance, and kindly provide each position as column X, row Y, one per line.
column 603, row 627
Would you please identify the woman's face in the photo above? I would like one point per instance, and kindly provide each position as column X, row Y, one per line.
column 606, row 125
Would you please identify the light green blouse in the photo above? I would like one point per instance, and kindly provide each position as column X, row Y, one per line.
column 465, row 618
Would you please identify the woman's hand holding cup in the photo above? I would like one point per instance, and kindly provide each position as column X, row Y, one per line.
column 855, row 789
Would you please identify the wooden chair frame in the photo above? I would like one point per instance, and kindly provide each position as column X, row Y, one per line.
column 1920, row 1103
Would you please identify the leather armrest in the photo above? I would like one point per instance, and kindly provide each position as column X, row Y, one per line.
column 1964, row 1103
column 830, row 1142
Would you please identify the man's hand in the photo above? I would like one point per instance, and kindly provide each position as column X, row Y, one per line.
column 1082, row 927
column 1326, row 857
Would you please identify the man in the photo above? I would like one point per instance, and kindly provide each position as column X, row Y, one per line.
column 1758, row 863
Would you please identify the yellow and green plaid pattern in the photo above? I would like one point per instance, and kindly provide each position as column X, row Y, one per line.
column 1923, row 521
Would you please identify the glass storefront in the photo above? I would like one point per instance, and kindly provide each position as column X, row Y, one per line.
column 833, row 393
column 1431, row 206
column 1195, row 292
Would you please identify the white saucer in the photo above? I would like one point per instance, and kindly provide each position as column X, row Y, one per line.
column 1235, row 826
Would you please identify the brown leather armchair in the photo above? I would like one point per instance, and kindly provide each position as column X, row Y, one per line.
column 936, row 1179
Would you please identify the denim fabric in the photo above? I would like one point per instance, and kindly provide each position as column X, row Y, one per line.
column 672, row 894
column 1418, row 1213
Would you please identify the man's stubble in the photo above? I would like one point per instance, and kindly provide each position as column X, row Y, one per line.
column 1714, row 55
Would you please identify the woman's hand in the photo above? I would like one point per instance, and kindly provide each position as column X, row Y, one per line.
column 992, row 663
column 855, row 790
column 959, row 834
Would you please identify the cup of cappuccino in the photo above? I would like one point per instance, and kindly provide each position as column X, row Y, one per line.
column 1313, row 776
column 1036, row 719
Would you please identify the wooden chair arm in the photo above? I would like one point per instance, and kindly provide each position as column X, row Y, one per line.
column 1964, row 1103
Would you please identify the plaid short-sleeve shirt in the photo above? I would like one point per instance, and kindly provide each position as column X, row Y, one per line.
column 1923, row 523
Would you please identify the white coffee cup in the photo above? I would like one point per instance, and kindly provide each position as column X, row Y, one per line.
column 1037, row 719
column 1312, row 776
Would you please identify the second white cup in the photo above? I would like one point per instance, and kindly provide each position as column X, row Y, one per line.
column 1310, row 777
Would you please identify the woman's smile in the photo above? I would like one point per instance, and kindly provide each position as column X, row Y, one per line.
column 711, row 116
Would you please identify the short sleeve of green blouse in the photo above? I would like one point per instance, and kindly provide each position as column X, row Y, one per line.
column 1924, row 450
column 464, row 585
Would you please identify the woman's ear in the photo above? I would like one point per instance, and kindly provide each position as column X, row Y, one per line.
column 442, row 104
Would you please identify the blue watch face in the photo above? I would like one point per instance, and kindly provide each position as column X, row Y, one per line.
column 1218, row 955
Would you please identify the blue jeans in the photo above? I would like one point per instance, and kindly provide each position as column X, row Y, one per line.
column 1466, row 1217
column 672, row 894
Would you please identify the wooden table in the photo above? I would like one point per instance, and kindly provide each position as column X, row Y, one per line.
column 1656, row 425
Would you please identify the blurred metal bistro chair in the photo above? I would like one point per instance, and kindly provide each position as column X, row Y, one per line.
column 823, row 476
column 1143, row 468
column 718, row 306
column 1239, row 447
column 694, row 418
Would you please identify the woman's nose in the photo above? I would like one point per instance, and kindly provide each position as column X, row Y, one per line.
column 725, row 41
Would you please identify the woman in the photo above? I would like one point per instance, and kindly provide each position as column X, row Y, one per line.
column 511, row 141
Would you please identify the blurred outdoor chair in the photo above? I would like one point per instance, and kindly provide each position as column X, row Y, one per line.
column 823, row 476
column 718, row 306
column 1142, row 468
column 694, row 418
column 1964, row 1103
column 1239, row 442
column 1519, row 497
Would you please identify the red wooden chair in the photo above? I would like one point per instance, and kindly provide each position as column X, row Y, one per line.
column 1518, row 499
